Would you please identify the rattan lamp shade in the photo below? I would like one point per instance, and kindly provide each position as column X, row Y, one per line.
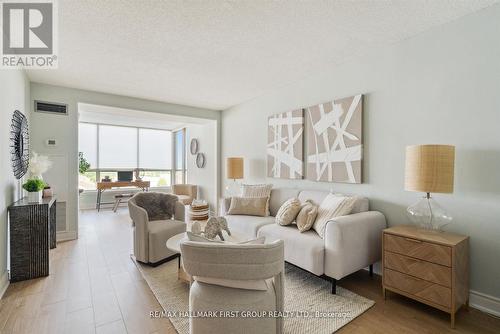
column 430, row 168
column 234, row 168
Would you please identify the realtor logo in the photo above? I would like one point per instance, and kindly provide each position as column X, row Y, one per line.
column 28, row 34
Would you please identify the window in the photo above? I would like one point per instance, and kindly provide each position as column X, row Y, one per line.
column 87, row 142
column 87, row 181
column 155, row 149
column 180, row 156
column 109, row 149
column 158, row 178
column 117, row 147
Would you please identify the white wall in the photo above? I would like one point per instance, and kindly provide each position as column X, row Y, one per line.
column 14, row 94
column 441, row 87
column 65, row 130
column 206, row 178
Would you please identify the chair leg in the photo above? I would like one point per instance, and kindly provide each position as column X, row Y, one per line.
column 334, row 286
column 117, row 203
column 371, row 270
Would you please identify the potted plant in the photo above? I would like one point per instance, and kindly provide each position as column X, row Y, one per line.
column 83, row 164
column 34, row 188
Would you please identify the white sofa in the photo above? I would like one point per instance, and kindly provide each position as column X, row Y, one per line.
column 351, row 242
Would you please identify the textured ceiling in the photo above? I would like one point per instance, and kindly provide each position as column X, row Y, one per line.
column 216, row 54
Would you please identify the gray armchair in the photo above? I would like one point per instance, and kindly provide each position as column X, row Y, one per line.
column 151, row 234
column 234, row 263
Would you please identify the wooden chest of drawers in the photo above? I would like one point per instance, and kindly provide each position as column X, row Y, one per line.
column 429, row 266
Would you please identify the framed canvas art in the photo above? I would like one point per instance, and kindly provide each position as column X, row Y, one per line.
column 285, row 145
column 335, row 140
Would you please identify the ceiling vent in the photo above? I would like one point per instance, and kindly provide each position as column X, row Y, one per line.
column 51, row 107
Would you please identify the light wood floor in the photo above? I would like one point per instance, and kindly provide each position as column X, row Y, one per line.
column 94, row 287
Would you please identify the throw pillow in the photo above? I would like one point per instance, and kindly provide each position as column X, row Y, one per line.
column 331, row 207
column 360, row 203
column 288, row 211
column 248, row 206
column 307, row 215
column 257, row 190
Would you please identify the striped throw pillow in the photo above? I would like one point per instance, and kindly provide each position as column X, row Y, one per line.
column 331, row 207
column 257, row 191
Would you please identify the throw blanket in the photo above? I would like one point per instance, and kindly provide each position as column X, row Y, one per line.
column 159, row 206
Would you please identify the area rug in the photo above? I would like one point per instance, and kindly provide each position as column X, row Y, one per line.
column 317, row 311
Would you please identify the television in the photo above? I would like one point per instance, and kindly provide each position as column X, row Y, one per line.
column 126, row 176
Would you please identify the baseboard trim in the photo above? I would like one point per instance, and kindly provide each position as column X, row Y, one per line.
column 65, row 235
column 4, row 283
column 484, row 303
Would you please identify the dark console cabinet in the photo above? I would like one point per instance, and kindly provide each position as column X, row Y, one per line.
column 32, row 232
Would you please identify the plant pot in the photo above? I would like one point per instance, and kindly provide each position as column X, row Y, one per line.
column 35, row 197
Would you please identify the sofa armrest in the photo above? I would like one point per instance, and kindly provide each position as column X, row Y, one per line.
column 225, row 203
column 353, row 242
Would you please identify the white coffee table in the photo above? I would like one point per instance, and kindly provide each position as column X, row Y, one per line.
column 174, row 244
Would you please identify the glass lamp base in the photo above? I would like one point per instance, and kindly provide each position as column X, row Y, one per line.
column 233, row 189
column 429, row 215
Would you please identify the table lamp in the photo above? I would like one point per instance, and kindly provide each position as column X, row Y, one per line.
column 234, row 171
column 429, row 169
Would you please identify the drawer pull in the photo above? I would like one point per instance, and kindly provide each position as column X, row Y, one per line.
column 413, row 240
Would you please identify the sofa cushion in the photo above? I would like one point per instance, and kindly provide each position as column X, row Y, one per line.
column 159, row 232
column 306, row 250
column 315, row 196
column 247, row 225
column 279, row 196
column 361, row 204
column 288, row 211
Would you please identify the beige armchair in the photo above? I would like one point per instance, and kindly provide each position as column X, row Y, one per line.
column 216, row 266
column 186, row 192
column 150, row 236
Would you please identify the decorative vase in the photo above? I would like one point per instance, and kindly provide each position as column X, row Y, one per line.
column 47, row 192
column 34, row 197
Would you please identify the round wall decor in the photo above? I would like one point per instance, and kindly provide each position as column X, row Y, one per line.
column 193, row 147
column 19, row 144
column 200, row 160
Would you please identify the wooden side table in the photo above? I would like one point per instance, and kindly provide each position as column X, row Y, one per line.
column 429, row 266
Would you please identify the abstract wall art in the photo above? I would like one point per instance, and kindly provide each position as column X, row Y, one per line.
column 335, row 140
column 285, row 145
